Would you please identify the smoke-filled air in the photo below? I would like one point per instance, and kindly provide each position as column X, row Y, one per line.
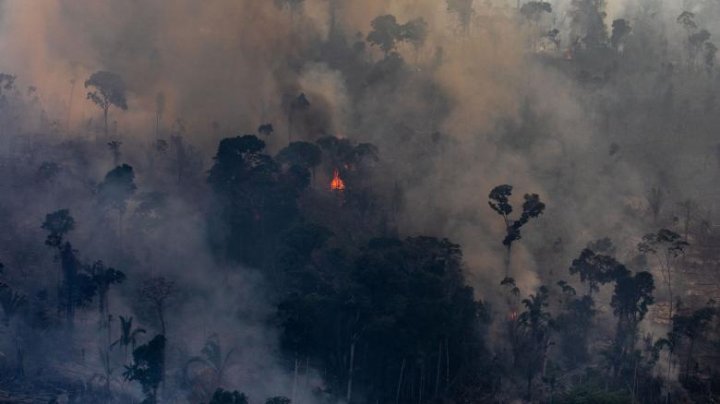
column 359, row 201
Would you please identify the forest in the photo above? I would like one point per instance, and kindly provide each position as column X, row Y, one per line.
column 359, row 201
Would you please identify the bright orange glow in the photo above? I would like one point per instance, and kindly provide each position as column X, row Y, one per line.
column 337, row 183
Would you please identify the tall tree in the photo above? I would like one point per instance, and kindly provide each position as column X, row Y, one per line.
column 148, row 368
column 107, row 90
column 500, row 203
column 103, row 277
column 128, row 335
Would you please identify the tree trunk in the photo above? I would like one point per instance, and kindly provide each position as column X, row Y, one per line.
column 70, row 103
column 688, row 362
column 105, row 117
column 290, row 126
column 400, row 380
column 437, row 371
column 507, row 261
column 295, row 379
column 422, row 382
column 351, row 371
column 447, row 365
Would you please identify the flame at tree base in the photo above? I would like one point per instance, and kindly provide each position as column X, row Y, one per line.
column 337, row 183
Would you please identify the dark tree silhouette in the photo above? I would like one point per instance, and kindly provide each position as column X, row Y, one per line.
column 103, row 277
column 464, row 11
column 128, row 335
column 108, row 90
column 620, row 29
column 296, row 105
column 266, row 129
column 500, row 203
column 148, row 368
column 228, row 397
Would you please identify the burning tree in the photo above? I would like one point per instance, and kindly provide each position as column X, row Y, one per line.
column 337, row 184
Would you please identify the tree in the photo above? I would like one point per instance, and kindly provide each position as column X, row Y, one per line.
column 114, row 147
column 692, row 327
column 278, row 400
column 385, row 33
column 266, row 129
column 620, row 29
column 117, row 187
column 574, row 325
column 148, row 367
column 304, row 154
column 415, row 32
column 532, row 342
column 533, row 10
column 665, row 246
column 656, row 200
column 212, row 359
column 297, row 105
column 157, row 291
column 687, row 20
column 256, row 199
column 159, row 110
column 58, row 224
column 11, row 302
column 228, row 397
column 464, row 11
column 630, row 303
column 709, row 56
column 595, row 269
column 108, row 90
column 696, row 42
column 500, row 203
column 293, row 5
column 103, row 277
column 77, row 289
column 128, row 334
column 587, row 22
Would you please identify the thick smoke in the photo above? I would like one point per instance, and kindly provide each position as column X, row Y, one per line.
column 492, row 110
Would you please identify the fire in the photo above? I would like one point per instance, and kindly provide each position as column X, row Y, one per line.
column 337, row 183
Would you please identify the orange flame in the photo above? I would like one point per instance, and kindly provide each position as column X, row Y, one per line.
column 337, row 183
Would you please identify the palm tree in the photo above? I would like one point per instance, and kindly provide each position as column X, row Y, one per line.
column 128, row 335
column 211, row 359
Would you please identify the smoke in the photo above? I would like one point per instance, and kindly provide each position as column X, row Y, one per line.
column 467, row 111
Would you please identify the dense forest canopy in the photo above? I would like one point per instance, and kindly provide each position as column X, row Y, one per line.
column 346, row 201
